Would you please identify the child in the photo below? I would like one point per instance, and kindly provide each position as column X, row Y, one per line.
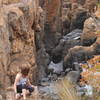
column 22, row 85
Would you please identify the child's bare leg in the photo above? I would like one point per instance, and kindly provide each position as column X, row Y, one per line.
column 24, row 92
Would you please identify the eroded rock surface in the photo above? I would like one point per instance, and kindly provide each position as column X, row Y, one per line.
column 91, row 26
column 80, row 53
column 52, row 39
column 17, row 40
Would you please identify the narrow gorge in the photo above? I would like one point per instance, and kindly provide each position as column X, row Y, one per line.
column 58, row 39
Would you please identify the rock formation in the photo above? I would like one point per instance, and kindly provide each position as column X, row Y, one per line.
column 81, row 53
column 50, row 36
column 17, row 40
column 52, row 23
column 91, row 26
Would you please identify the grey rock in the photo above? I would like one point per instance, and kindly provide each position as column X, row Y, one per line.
column 56, row 68
column 73, row 76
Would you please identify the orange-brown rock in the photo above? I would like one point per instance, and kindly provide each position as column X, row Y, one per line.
column 17, row 40
column 81, row 53
column 91, row 26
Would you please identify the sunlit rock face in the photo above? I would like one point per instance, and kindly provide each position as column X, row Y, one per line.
column 91, row 28
column 17, row 40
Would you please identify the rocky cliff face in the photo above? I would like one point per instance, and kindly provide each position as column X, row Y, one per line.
column 52, row 22
column 17, row 40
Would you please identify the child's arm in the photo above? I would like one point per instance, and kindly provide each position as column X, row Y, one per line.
column 16, row 81
column 29, row 83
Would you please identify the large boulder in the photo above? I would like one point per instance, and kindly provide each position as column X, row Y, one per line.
column 91, row 26
column 80, row 53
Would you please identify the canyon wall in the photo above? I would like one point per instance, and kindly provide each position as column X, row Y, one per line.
column 17, row 40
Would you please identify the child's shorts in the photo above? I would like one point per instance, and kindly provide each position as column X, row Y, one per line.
column 20, row 87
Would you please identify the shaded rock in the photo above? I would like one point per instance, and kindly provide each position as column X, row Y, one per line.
column 66, row 25
column 80, row 53
column 78, row 19
column 73, row 76
column 77, row 67
column 43, row 61
column 52, row 24
column 68, row 41
column 55, row 68
column 74, row 35
column 96, row 46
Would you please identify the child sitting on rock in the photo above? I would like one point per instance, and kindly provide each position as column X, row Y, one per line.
column 22, row 85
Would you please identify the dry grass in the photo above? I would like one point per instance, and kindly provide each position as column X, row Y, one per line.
column 92, row 74
column 65, row 90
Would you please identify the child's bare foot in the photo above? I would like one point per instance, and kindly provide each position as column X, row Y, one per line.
column 18, row 96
